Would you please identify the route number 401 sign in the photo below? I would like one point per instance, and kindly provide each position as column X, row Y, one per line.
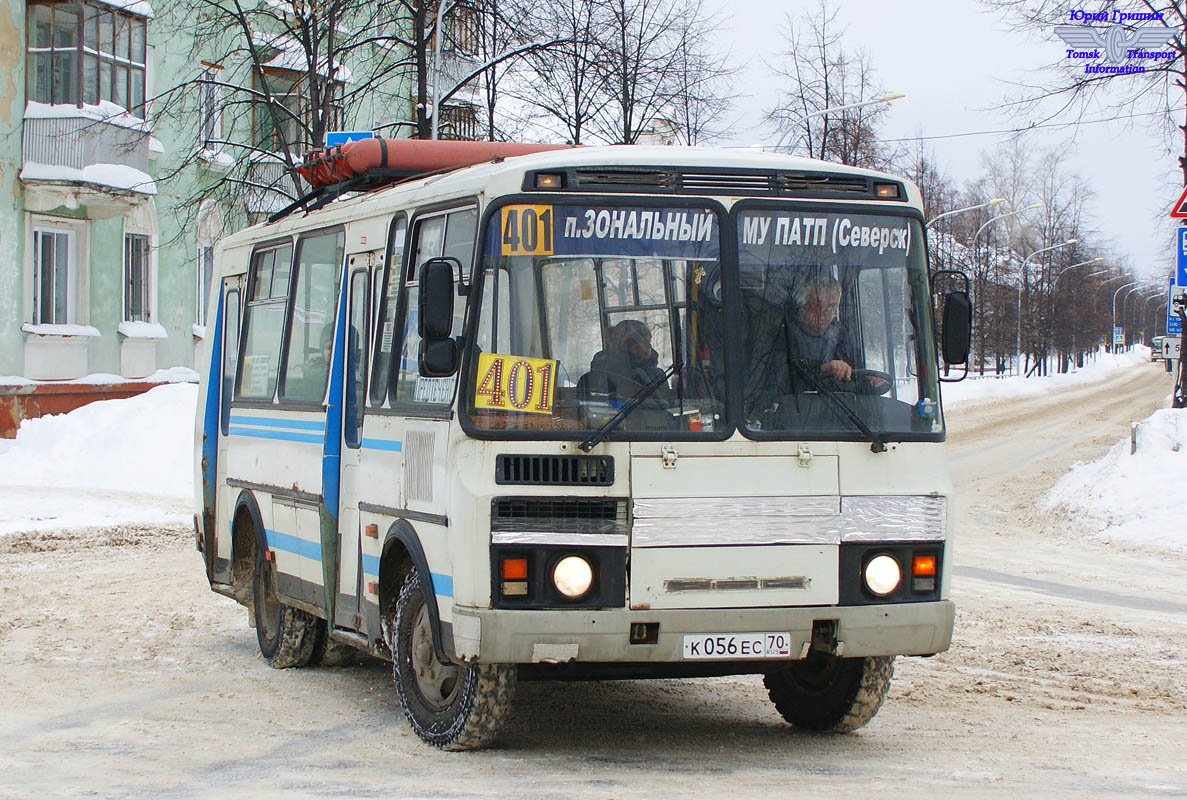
column 514, row 383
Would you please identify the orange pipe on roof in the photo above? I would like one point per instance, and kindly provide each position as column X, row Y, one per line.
column 409, row 155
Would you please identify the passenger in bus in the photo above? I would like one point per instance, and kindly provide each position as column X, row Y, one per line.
column 312, row 384
column 815, row 334
column 628, row 363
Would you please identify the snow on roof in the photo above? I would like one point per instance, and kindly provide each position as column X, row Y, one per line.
column 138, row 7
column 104, row 111
column 113, row 176
column 292, row 56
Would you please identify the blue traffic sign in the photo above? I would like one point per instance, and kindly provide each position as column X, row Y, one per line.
column 334, row 138
column 1182, row 257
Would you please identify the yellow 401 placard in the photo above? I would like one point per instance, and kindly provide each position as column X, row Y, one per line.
column 514, row 383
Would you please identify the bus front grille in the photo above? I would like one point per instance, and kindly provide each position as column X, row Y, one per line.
column 554, row 470
column 570, row 514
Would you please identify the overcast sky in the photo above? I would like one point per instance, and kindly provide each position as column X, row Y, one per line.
column 954, row 62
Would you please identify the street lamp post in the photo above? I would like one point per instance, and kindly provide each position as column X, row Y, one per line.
column 1113, row 329
column 1021, row 283
column 995, row 201
column 889, row 97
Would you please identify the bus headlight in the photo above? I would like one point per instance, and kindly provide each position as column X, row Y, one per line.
column 572, row 576
column 883, row 574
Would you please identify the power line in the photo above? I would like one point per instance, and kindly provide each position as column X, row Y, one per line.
column 1031, row 127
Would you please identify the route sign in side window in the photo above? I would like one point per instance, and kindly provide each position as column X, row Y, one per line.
column 264, row 322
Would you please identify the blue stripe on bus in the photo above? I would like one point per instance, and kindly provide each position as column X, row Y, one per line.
column 442, row 584
column 383, row 444
column 277, row 422
column 293, row 544
column 312, row 438
column 370, row 565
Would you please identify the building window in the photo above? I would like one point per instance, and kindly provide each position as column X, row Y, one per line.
column 459, row 121
column 210, row 109
column 86, row 53
column 288, row 125
column 137, row 283
column 205, row 279
column 53, row 276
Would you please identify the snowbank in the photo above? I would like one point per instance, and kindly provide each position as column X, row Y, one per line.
column 1138, row 496
column 988, row 389
column 142, row 444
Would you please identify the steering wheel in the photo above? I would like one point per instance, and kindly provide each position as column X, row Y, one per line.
column 864, row 381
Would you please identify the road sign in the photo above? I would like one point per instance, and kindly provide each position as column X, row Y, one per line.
column 1179, row 209
column 1173, row 323
column 1172, row 346
column 1181, row 276
column 334, row 138
column 1118, row 335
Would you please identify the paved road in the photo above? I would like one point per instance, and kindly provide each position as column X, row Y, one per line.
column 123, row 676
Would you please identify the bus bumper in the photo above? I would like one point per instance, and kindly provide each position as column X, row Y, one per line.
column 558, row 636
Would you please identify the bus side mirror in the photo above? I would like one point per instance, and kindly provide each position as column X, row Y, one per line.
column 957, row 331
column 436, row 298
column 438, row 357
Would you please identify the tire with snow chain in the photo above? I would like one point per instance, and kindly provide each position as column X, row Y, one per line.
column 829, row 694
column 286, row 635
column 455, row 707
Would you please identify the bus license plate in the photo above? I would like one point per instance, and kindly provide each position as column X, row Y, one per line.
column 738, row 645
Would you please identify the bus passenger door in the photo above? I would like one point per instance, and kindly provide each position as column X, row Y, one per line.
column 226, row 348
column 349, row 579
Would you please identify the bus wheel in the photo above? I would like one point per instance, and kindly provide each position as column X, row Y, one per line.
column 829, row 694
column 286, row 635
column 455, row 707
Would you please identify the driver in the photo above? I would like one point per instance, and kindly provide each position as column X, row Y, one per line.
column 814, row 334
column 628, row 363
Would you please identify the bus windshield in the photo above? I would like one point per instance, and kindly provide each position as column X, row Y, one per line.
column 583, row 306
column 836, row 324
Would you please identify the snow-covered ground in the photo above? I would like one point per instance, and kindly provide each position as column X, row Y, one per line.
column 131, row 461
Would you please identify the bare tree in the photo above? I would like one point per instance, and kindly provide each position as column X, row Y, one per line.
column 643, row 39
column 822, row 74
column 563, row 83
column 700, row 77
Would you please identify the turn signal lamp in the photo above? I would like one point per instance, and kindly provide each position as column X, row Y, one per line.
column 514, row 572
column 923, row 573
column 548, row 181
column 885, row 190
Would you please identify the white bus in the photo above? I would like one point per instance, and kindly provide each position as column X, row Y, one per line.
column 595, row 412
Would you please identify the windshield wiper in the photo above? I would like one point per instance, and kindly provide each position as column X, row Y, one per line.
column 636, row 400
column 876, row 444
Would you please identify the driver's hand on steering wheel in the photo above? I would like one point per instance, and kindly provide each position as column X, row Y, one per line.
column 837, row 370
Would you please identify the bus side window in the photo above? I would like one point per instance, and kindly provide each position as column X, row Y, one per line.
column 311, row 325
column 449, row 234
column 230, row 355
column 356, row 363
column 388, row 292
column 264, row 320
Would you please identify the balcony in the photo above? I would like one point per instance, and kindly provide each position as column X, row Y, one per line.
column 69, row 145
